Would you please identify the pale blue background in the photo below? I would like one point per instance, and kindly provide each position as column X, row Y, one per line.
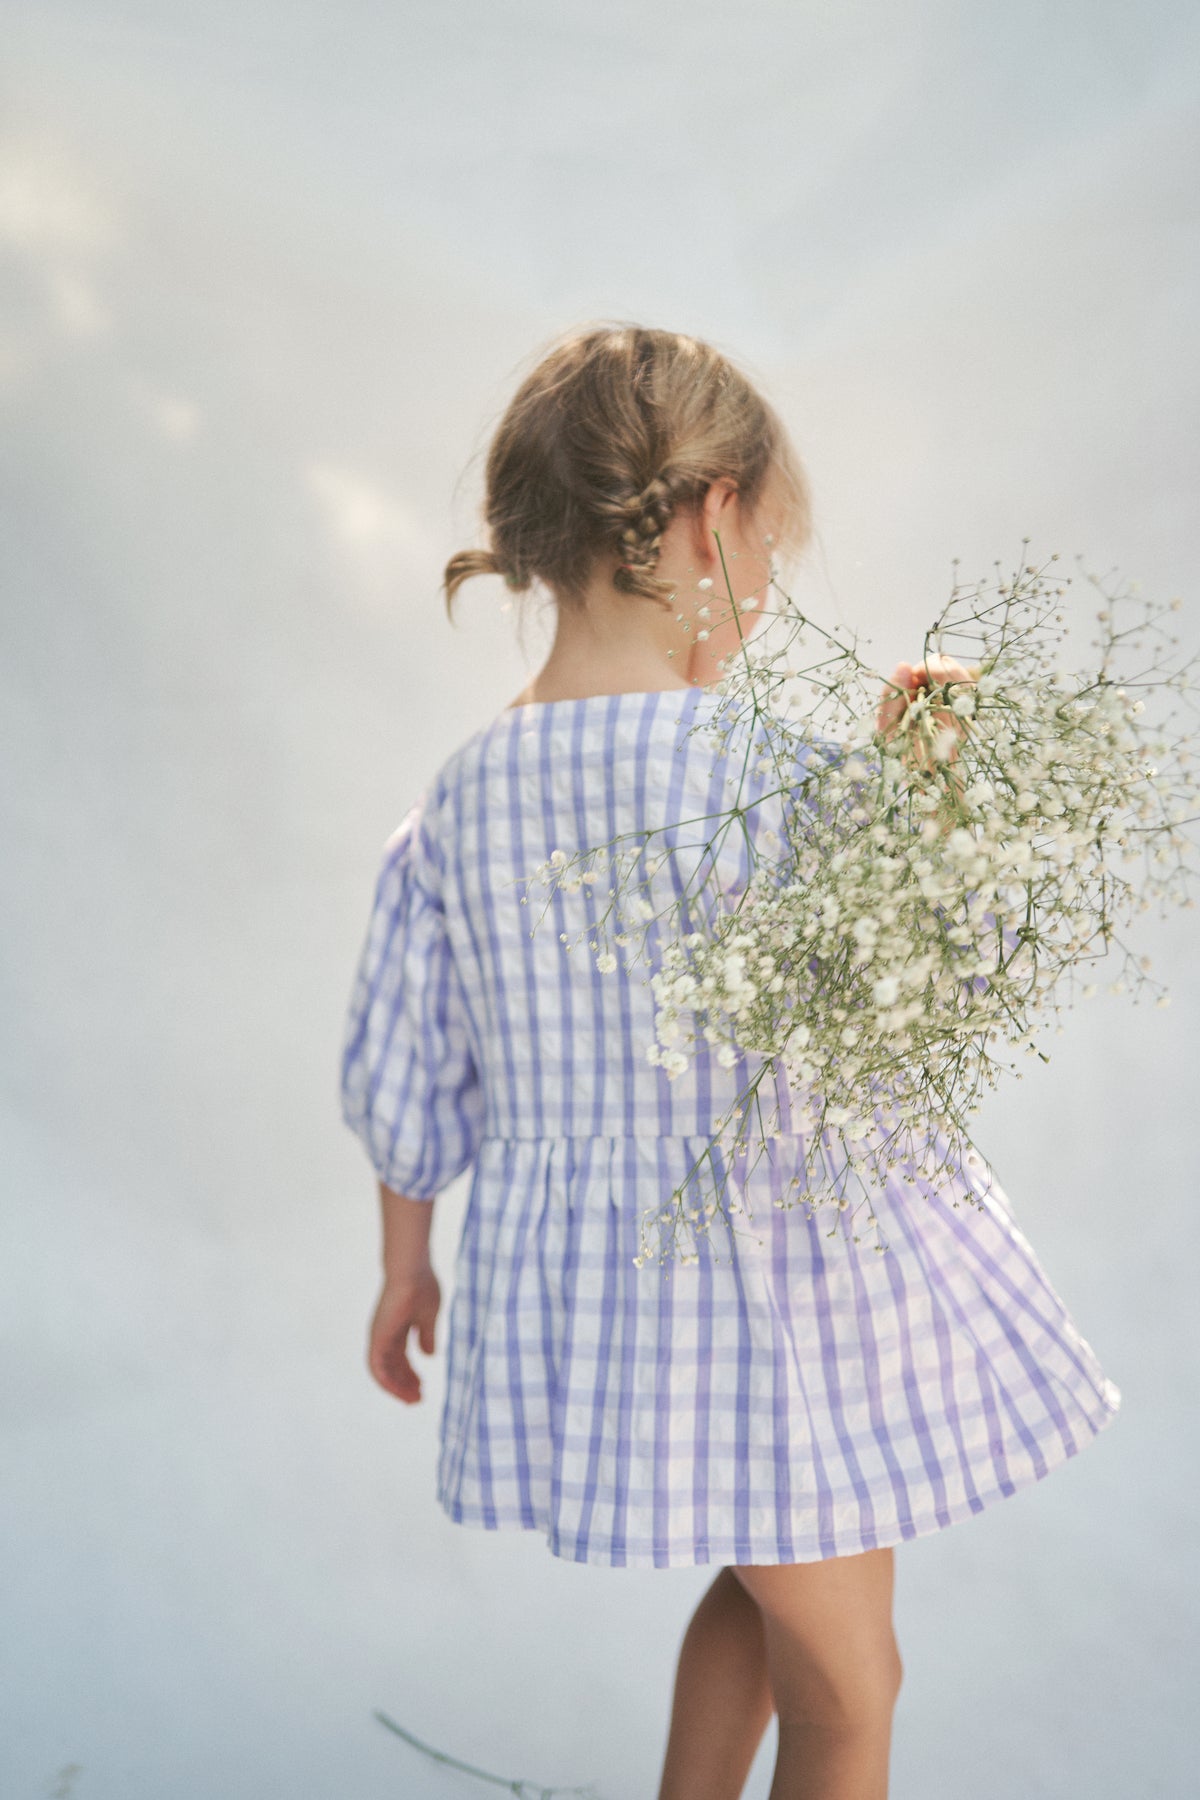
column 266, row 275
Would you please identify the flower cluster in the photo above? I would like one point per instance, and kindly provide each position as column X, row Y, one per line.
column 923, row 900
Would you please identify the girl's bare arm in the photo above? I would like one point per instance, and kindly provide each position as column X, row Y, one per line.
column 410, row 1297
column 406, row 1226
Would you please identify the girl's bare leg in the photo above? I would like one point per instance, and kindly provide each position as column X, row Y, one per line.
column 834, row 1669
column 722, row 1703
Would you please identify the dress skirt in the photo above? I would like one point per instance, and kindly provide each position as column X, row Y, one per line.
column 790, row 1396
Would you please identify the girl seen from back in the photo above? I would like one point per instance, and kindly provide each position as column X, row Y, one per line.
column 789, row 1407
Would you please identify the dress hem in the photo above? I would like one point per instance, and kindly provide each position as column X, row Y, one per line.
column 751, row 1551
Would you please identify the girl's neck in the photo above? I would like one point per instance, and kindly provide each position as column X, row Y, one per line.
column 612, row 643
column 607, row 642
column 577, row 676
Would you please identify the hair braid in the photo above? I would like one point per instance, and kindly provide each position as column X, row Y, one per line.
column 617, row 430
column 646, row 516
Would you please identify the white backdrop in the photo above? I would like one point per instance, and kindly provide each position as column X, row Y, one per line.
column 267, row 273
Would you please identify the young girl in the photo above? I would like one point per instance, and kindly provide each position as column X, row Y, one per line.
column 791, row 1406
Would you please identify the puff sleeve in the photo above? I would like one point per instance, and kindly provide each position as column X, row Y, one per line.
column 410, row 1089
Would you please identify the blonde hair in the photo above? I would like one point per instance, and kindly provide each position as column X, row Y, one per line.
column 616, row 430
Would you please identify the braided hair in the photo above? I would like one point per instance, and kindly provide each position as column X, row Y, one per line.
column 616, row 431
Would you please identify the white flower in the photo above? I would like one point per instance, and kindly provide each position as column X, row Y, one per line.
column 888, row 953
column 606, row 962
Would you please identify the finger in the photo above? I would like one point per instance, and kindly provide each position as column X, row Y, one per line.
column 408, row 1390
column 425, row 1335
column 389, row 1364
column 894, row 695
column 910, row 681
column 945, row 668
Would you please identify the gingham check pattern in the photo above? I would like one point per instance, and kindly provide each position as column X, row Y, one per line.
column 790, row 1398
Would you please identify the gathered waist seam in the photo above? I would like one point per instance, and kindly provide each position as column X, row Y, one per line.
column 580, row 1137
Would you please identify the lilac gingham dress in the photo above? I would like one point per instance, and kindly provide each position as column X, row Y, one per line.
column 792, row 1398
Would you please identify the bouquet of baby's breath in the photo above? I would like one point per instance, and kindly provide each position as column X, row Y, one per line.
column 937, row 877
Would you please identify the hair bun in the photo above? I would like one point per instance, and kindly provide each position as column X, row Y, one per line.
column 567, row 495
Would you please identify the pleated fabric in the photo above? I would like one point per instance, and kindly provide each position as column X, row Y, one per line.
column 792, row 1395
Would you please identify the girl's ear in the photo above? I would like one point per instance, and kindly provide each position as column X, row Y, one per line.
column 718, row 511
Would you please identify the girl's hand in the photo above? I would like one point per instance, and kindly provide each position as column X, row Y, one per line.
column 407, row 1302
column 908, row 680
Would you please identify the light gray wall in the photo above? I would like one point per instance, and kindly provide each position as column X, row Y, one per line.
column 266, row 273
